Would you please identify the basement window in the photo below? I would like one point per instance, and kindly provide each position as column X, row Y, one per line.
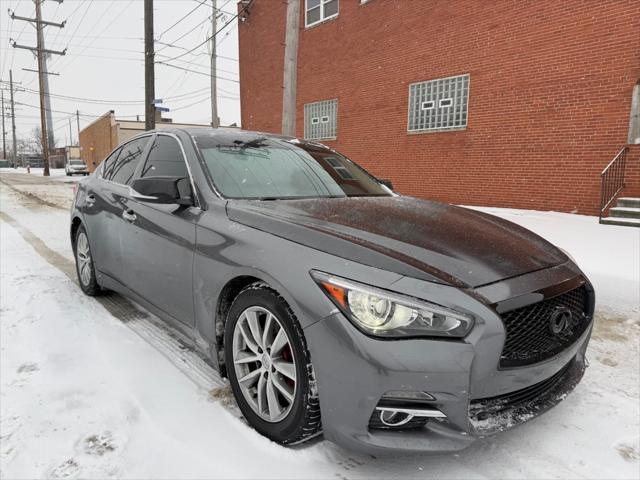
column 317, row 11
column 321, row 120
column 438, row 105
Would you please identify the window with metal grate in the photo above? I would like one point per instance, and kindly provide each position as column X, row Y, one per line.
column 437, row 105
column 321, row 120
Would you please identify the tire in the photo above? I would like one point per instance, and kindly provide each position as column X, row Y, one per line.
column 298, row 421
column 85, row 268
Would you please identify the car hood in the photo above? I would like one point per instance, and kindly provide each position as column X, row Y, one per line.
column 418, row 238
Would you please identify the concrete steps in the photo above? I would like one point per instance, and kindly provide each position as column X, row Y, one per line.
column 626, row 213
column 629, row 202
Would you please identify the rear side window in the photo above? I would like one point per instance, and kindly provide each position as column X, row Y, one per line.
column 108, row 164
column 165, row 159
column 125, row 166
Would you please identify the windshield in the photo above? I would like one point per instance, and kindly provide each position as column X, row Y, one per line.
column 76, row 162
column 259, row 167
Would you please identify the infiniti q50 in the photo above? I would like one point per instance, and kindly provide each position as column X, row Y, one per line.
column 332, row 304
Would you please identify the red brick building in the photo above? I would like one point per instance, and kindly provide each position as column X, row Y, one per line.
column 503, row 103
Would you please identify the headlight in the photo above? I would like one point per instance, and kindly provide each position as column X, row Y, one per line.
column 378, row 312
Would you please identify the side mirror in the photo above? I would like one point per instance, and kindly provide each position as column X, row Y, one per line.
column 386, row 183
column 166, row 190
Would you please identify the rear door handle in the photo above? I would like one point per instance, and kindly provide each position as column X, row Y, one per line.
column 129, row 215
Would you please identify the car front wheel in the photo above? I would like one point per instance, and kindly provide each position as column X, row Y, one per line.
column 269, row 366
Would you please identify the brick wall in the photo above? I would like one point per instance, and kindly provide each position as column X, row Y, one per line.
column 261, row 41
column 98, row 139
column 549, row 103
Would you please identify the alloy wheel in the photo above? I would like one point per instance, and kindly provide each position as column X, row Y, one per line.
column 83, row 257
column 264, row 363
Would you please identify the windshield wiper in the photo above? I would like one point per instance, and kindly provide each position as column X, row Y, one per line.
column 269, row 199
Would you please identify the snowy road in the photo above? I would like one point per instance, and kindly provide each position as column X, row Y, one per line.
column 94, row 388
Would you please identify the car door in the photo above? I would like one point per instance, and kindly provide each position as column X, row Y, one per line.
column 159, row 244
column 104, row 205
column 99, row 209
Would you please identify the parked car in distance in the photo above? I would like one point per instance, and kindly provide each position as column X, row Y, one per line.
column 332, row 304
column 73, row 166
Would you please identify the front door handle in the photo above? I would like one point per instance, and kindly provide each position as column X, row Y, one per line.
column 129, row 215
column 91, row 199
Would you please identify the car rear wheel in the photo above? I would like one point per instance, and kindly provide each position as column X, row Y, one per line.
column 84, row 263
column 269, row 366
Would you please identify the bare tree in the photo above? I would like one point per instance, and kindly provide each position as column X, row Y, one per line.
column 36, row 141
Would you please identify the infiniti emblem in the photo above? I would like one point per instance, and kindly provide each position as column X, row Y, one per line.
column 560, row 320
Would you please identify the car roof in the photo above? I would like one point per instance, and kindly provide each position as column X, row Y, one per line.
column 224, row 133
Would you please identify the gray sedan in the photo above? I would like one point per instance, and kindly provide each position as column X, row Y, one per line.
column 332, row 304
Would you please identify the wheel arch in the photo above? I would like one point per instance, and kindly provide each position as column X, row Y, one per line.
column 228, row 294
column 76, row 221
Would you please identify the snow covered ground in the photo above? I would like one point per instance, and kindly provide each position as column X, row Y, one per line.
column 97, row 389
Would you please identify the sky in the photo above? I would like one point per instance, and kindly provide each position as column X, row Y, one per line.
column 103, row 68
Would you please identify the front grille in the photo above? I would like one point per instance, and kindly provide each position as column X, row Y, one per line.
column 530, row 338
column 490, row 415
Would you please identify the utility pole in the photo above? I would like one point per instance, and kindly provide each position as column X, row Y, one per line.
column 13, row 119
column 70, row 133
column 215, row 120
column 290, row 68
column 149, row 70
column 4, row 139
column 41, row 83
column 47, row 102
column 78, row 122
column 41, row 52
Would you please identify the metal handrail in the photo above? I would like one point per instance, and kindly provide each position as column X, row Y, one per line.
column 612, row 180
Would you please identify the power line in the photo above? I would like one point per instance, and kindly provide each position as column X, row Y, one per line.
column 196, row 54
column 195, row 71
column 193, row 64
column 111, row 102
column 70, row 113
column 244, row 9
column 168, row 45
column 179, row 21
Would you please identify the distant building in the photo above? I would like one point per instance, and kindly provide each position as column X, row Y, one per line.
column 59, row 156
column 511, row 104
column 103, row 135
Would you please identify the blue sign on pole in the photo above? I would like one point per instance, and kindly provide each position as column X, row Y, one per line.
column 163, row 109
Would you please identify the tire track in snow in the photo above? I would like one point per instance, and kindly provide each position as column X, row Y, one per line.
column 160, row 337
column 31, row 196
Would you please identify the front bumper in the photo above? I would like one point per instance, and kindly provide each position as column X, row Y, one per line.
column 354, row 371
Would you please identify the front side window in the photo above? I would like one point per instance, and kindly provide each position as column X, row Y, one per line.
column 261, row 167
column 125, row 165
column 439, row 105
column 165, row 159
column 317, row 11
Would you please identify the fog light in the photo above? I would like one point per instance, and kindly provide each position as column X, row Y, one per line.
column 394, row 419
